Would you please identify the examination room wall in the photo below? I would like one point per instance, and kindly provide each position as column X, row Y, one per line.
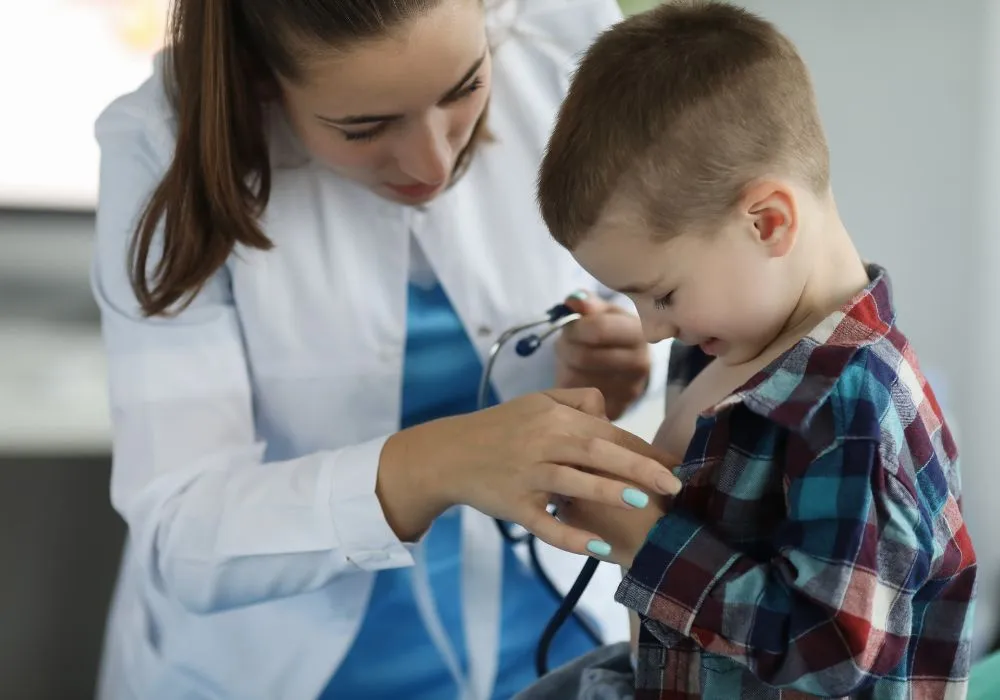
column 910, row 94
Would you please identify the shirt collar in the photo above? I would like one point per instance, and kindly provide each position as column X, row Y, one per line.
column 791, row 389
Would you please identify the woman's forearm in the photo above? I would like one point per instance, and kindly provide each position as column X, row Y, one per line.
column 410, row 483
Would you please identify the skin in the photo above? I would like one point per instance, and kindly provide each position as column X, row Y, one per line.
column 605, row 349
column 393, row 114
column 397, row 111
column 747, row 290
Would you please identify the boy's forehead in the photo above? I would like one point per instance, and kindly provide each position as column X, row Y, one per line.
column 628, row 259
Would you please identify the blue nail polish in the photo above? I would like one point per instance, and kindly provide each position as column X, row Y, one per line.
column 598, row 548
column 579, row 295
column 635, row 498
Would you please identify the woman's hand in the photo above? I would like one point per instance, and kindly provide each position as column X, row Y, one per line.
column 512, row 460
column 624, row 531
column 605, row 349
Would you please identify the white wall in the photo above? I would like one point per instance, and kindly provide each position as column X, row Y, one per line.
column 910, row 95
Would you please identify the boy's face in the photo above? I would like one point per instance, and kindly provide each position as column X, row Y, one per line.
column 728, row 290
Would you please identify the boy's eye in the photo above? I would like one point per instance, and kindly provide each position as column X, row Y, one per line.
column 664, row 301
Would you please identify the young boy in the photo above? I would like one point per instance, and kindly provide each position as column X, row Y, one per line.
column 817, row 547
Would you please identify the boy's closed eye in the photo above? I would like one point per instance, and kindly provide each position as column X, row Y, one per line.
column 664, row 301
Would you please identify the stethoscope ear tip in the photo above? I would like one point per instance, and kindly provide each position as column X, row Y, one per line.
column 559, row 316
column 558, row 311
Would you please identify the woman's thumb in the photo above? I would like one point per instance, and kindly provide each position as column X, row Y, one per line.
column 585, row 303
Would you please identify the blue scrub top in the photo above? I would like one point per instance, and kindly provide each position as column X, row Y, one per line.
column 393, row 655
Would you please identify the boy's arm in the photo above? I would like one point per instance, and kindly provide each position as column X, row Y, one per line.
column 835, row 609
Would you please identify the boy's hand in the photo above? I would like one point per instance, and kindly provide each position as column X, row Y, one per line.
column 624, row 529
column 605, row 349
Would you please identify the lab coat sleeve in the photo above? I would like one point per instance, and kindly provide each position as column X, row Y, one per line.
column 216, row 526
column 574, row 24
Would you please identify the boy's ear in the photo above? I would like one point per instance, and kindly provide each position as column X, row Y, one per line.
column 772, row 208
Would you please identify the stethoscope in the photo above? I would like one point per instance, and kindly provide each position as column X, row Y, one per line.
column 556, row 318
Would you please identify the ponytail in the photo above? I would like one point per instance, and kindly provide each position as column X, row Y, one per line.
column 219, row 180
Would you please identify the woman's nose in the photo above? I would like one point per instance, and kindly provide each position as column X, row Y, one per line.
column 426, row 155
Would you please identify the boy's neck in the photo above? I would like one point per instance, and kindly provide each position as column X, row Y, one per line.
column 834, row 274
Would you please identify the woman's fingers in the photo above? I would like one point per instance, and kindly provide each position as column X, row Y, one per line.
column 582, row 413
column 565, row 537
column 598, row 360
column 572, row 483
column 604, row 458
column 589, row 401
column 635, row 444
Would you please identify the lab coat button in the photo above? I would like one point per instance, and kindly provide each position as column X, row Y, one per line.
column 484, row 331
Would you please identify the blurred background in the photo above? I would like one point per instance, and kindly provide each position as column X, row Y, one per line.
column 910, row 94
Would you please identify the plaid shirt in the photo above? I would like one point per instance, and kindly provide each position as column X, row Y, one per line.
column 818, row 545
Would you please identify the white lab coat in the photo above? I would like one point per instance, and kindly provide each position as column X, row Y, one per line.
column 247, row 430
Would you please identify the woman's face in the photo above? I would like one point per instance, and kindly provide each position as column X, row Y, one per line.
column 394, row 113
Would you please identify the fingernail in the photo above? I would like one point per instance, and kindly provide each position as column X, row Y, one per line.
column 598, row 548
column 635, row 498
column 667, row 484
column 579, row 295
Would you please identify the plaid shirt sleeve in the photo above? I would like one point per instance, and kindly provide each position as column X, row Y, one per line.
column 832, row 611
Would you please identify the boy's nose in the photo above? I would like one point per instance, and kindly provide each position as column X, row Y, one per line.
column 655, row 328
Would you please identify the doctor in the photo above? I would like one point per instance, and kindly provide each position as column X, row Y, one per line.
column 314, row 221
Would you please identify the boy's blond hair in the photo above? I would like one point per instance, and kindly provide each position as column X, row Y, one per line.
column 675, row 111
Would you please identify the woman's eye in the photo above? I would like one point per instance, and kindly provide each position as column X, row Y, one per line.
column 366, row 135
column 466, row 91
column 374, row 132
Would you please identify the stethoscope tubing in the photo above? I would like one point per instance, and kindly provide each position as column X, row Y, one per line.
column 557, row 318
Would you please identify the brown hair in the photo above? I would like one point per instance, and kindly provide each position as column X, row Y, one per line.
column 677, row 110
column 223, row 57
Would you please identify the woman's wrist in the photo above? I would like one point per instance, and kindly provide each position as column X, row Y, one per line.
column 409, row 482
